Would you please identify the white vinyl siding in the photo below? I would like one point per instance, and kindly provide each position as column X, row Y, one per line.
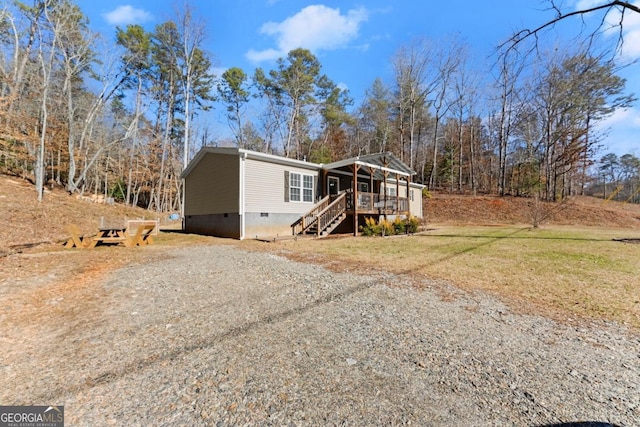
column 213, row 187
column 415, row 196
column 264, row 189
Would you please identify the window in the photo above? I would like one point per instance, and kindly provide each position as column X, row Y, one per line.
column 391, row 191
column 307, row 188
column 300, row 187
column 294, row 187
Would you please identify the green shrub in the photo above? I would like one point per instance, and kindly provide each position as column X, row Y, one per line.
column 370, row 228
column 118, row 190
column 399, row 225
column 412, row 224
column 386, row 228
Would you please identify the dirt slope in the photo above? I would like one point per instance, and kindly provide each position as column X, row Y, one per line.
column 27, row 221
column 487, row 210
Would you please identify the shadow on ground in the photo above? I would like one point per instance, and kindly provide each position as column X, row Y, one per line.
column 580, row 424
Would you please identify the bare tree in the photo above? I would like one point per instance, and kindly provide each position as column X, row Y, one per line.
column 48, row 31
column 508, row 97
column 22, row 42
column 192, row 35
column 411, row 65
column 465, row 93
column 606, row 8
column 447, row 62
column 75, row 44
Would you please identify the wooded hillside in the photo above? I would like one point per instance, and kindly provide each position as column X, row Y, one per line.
column 121, row 117
column 28, row 222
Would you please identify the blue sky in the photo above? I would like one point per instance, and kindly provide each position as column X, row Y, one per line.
column 355, row 40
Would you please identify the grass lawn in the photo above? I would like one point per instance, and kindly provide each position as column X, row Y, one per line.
column 574, row 271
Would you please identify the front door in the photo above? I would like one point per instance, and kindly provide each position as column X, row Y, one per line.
column 334, row 185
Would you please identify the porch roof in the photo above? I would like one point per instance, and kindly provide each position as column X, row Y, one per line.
column 379, row 162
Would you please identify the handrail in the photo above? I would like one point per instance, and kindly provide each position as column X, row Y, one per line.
column 309, row 218
column 331, row 212
column 321, row 215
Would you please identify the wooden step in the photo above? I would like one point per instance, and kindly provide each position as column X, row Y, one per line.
column 336, row 222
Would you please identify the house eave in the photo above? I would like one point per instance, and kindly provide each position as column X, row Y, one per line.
column 248, row 154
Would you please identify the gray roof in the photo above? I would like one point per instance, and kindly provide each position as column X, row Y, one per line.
column 377, row 161
column 271, row 158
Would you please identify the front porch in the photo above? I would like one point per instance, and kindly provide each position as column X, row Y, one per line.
column 371, row 185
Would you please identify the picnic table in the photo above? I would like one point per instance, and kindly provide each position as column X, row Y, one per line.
column 107, row 235
column 110, row 235
column 77, row 240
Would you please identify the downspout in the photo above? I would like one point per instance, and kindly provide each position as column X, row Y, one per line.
column 241, row 207
column 355, row 198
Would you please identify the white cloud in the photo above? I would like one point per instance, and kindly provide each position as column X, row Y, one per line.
column 630, row 27
column 124, row 15
column 315, row 27
column 620, row 130
column 631, row 44
column 629, row 117
column 263, row 55
column 587, row 4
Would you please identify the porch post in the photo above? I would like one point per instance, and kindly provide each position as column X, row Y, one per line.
column 371, row 172
column 355, row 198
column 397, row 194
column 408, row 197
column 324, row 183
column 386, row 191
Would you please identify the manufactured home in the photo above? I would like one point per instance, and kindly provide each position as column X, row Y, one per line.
column 237, row 193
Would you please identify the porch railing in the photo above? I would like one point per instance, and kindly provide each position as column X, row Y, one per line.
column 321, row 215
column 309, row 219
column 331, row 212
column 378, row 202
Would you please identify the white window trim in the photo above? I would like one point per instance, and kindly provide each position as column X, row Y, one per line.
column 302, row 187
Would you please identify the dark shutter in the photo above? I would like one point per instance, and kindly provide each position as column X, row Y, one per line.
column 286, row 186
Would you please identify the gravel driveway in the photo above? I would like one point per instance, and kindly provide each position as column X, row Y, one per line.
column 213, row 335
